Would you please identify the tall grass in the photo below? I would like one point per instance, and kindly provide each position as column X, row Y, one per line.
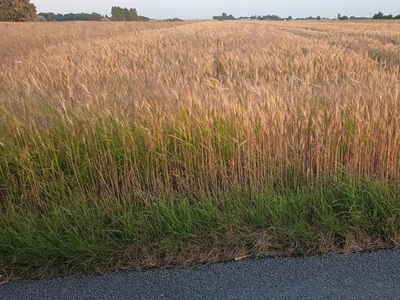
column 151, row 145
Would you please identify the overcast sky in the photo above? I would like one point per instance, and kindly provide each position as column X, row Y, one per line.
column 201, row 9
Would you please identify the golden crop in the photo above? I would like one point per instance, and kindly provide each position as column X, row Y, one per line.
column 155, row 108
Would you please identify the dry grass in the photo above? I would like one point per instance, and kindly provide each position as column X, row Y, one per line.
column 138, row 113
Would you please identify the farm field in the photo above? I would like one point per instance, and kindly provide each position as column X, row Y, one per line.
column 143, row 145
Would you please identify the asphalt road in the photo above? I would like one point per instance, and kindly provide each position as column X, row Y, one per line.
column 358, row 276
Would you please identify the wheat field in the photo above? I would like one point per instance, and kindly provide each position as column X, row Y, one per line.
column 152, row 144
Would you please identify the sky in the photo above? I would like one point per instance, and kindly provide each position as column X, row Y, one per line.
column 203, row 9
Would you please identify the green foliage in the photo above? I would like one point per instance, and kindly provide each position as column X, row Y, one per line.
column 174, row 20
column 224, row 16
column 17, row 11
column 125, row 14
column 381, row 16
column 72, row 17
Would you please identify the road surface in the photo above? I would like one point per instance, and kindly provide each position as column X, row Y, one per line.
column 358, row 276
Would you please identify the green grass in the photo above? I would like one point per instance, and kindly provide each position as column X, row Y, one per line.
column 82, row 235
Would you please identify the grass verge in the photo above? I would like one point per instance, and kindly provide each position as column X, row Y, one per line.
column 83, row 235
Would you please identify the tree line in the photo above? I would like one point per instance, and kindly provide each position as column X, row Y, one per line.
column 225, row 16
column 378, row 16
column 52, row 17
column 23, row 10
column 117, row 14
column 381, row 16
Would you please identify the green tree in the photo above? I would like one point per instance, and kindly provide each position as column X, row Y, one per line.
column 378, row 16
column 17, row 11
column 133, row 15
column 381, row 16
column 117, row 14
column 49, row 16
column 125, row 14
column 96, row 17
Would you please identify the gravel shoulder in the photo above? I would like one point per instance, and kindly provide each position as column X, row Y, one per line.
column 357, row 276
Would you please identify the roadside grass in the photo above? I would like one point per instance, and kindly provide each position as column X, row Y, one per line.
column 85, row 234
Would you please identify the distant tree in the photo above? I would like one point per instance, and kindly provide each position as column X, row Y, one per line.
column 125, row 14
column 173, row 20
column 269, row 18
column 17, row 11
column 143, row 19
column 133, row 15
column 224, row 16
column 381, row 16
column 72, row 17
column 378, row 16
column 41, row 19
column 117, row 14
column 50, row 17
column 96, row 17
column 60, row 17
